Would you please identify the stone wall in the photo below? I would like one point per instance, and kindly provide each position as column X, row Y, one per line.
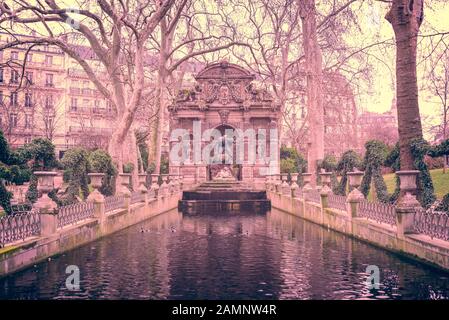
column 417, row 246
column 18, row 256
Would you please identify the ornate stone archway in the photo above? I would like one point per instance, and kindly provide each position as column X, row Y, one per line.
column 224, row 96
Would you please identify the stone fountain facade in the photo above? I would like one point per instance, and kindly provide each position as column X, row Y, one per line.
column 224, row 97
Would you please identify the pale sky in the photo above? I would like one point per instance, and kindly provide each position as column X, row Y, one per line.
column 382, row 91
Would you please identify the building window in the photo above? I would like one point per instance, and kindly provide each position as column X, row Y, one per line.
column 29, row 57
column 1, row 97
column 28, row 100
column 13, row 120
column 14, row 99
column 97, row 105
column 74, row 104
column 49, row 80
column 1, row 75
column 49, row 121
column 28, row 140
column 49, row 60
column 14, row 76
column 29, row 77
column 85, row 103
column 49, row 102
column 14, row 55
column 28, row 121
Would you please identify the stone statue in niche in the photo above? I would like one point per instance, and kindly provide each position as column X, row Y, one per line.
column 224, row 174
column 224, row 95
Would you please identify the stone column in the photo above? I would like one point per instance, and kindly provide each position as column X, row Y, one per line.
column 407, row 203
column 46, row 207
column 97, row 198
column 355, row 196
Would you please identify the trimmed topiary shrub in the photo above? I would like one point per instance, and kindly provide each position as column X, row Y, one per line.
column 348, row 162
column 375, row 155
column 76, row 164
column 100, row 161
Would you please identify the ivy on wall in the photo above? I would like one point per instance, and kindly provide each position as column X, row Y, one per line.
column 375, row 155
column 419, row 148
column 76, row 165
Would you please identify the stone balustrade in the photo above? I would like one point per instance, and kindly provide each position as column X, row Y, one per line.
column 81, row 222
column 405, row 227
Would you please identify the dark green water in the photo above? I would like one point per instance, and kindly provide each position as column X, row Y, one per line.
column 245, row 256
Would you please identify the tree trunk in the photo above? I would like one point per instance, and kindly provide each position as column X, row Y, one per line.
column 314, row 75
column 406, row 17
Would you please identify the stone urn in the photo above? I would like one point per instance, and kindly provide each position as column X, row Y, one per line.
column 142, row 182
column 96, row 180
column 307, row 178
column 355, row 181
column 154, row 189
column 124, row 181
column 408, row 180
column 45, row 183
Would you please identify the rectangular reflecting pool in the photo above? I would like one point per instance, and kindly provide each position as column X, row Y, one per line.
column 227, row 256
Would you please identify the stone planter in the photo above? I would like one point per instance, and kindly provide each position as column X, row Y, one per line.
column 142, row 182
column 45, row 183
column 45, row 180
column 355, row 196
column 326, row 178
column 408, row 180
column 96, row 180
column 355, row 178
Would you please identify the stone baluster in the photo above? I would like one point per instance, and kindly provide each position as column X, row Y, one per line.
column 154, row 189
column 355, row 196
column 46, row 207
column 285, row 187
column 407, row 203
column 294, row 185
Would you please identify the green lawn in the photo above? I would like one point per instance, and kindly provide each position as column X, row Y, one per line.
column 440, row 182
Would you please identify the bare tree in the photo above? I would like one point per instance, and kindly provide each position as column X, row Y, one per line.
column 189, row 30
column 406, row 17
column 117, row 32
column 437, row 83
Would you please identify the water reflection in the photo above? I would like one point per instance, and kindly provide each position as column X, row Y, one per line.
column 244, row 256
